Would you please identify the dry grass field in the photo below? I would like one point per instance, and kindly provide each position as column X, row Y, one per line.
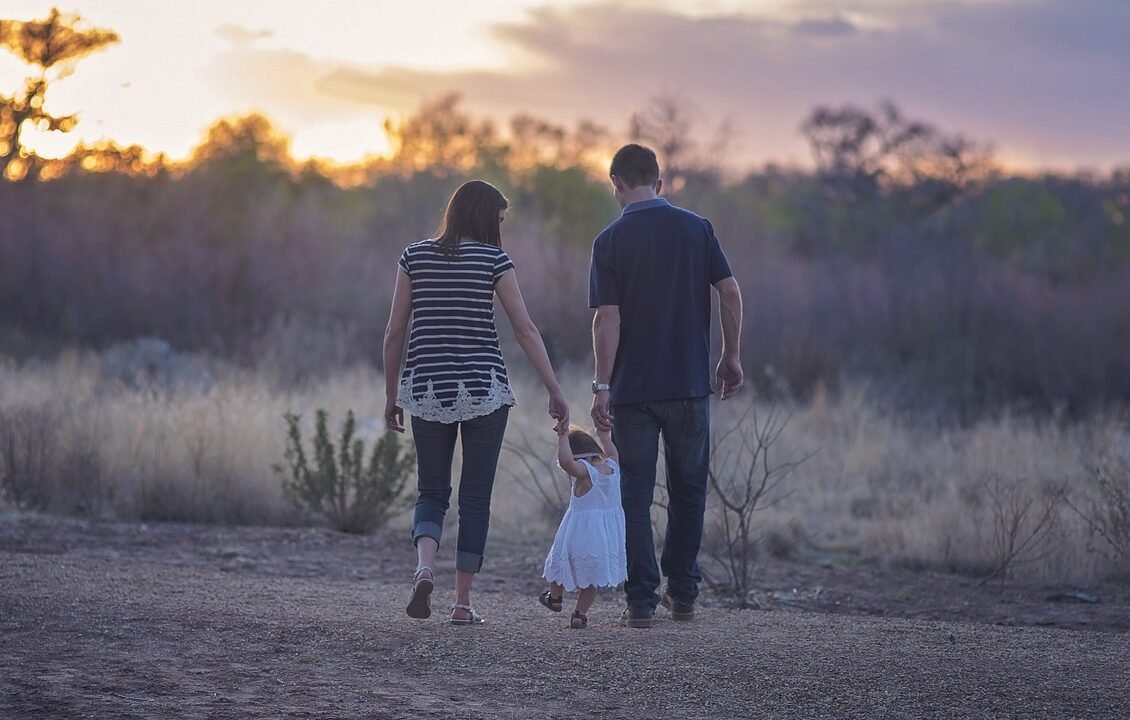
column 196, row 443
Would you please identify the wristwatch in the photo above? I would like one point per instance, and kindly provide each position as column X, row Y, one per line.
column 599, row 387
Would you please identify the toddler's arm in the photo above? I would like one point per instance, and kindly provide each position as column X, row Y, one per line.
column 604, row 437
column 565, row 456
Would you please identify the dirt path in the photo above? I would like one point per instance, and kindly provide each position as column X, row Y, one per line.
column 127, row 621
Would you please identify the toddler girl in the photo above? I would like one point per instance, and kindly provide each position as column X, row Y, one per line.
column 588, row 551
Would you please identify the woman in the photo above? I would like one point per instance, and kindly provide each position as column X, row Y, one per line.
column 454, row 381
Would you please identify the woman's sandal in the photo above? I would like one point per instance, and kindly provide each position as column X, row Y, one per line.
column 547, row 599
column 420, row 606
column 579, row 621
column 475, row 618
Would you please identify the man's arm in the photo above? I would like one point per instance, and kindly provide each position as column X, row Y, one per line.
column 729, row 375
column 605, row 343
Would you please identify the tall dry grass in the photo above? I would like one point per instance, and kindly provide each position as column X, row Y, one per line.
column 199, row 451
column 880, row 487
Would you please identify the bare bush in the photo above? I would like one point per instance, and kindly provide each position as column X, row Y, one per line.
column 83, row 481
column 27, row 447
column 745, row 480
column 1024, row 525
column 536, row 471
column 1106, row 512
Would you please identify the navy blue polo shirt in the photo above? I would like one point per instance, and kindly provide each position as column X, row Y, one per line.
column 658, row 262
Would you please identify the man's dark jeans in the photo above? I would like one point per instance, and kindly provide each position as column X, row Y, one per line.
column 435, row 448
column 685, row 428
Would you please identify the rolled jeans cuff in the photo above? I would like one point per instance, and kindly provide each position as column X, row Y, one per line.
column 427, row 529
column 468, row 562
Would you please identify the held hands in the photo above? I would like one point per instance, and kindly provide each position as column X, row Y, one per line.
column 559, row 411
column 729, row 377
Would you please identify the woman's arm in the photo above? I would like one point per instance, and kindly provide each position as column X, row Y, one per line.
column 529, row 339
column 395, row 331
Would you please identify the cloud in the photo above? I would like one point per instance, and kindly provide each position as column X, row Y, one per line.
column 286, row 84
column 240, row 35
column 1040, row 79
column 827, row 26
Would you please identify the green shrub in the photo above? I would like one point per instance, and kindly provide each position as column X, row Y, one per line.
column 352, row 496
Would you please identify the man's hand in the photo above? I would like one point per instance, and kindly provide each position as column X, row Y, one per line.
column 729, row 377
column 601, row 411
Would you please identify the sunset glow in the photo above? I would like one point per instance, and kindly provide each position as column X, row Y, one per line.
column 330, row 74
column 181, row 66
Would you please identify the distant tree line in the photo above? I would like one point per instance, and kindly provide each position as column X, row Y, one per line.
column 907, row 258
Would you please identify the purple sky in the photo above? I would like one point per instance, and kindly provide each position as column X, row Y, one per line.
column 1046, row 82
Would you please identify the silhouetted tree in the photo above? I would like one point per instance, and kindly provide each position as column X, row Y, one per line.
column 45, row 44
column 442, row 139
column 669, row 125
column 534, row 142
column 859, row 154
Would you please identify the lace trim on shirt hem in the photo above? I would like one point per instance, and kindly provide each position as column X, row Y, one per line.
column 464, row 407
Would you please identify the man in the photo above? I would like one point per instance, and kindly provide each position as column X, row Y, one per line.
column 650, row 280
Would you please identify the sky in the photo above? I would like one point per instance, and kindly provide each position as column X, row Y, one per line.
column 1045, row 82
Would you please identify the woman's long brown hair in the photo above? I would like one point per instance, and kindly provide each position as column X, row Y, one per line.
column 472, row 214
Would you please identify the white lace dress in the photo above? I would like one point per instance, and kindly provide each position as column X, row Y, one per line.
column 589, row 546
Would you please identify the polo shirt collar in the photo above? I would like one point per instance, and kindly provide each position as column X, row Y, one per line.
column 644, row 205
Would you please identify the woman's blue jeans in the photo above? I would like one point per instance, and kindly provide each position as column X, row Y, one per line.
column 435, row 449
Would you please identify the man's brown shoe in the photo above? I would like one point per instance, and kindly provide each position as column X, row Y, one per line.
column 679, row 611
column 637, row 618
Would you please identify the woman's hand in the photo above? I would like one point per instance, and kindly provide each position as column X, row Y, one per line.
column 559, row 410
column 394, row 417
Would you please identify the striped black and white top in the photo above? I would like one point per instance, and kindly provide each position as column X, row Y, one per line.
column 454, row 369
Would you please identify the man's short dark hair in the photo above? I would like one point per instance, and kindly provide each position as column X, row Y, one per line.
column 635, row 165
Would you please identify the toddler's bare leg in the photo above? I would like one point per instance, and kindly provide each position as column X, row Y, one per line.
column 585, row 598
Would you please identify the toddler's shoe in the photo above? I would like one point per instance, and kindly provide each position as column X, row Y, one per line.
column 553, row 603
